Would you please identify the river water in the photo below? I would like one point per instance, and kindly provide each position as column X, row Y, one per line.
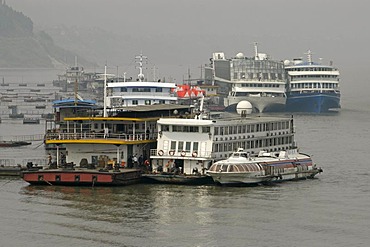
column 332, row 210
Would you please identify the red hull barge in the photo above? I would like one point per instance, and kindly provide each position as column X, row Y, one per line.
column 82, row 177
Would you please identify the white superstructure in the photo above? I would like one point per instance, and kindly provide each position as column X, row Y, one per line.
column 197, row 143
column 257, row 79
column 140, row 92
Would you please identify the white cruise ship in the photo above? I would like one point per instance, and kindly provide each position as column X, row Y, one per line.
column 257, row 79
column 313, row 87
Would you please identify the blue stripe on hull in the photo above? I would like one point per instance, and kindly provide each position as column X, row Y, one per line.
column 315, row 103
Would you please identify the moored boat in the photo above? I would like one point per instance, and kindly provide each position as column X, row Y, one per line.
column 82, row 177
column 189, row 145
column 93, row 146
column 313, row 87
column 11, row 170
column 259, row 80
column 242, row 169
column 14, row 143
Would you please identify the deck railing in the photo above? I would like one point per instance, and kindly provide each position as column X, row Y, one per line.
column 178, row 154
column 92, row 135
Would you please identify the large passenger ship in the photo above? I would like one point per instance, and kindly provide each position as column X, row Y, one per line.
column 313, row 87
column 258, row 80
column 190, row 145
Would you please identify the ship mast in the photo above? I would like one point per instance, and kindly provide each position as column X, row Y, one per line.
column 309, row 56
column 105, row 92
column 256, row 51
column 140, row 62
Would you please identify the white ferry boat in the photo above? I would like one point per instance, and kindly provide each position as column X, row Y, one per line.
column 313, row 87
column 190, row 145
column 243, row 169
column 257, row 79
column 140, row 92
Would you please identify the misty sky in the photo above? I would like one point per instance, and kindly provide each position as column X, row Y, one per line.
column 334, row 30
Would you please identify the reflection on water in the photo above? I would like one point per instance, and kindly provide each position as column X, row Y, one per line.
column 140, row 211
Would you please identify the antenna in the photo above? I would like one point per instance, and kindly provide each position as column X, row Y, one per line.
column 105, row 92
column 256, row 49
column 309, row 56
column 140, row 62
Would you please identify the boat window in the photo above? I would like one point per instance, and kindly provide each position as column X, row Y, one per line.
column 180, row 146
column 231, row 168
column 241, row 168
column 173, row 145
column 187, row 146
column 215, row 168
column 195, row 146
column 224, row 168
column 244, row 155
column 165, row 127
column 206, row 129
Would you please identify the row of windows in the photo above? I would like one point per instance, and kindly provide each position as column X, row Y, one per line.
column 250, row 128
column 117, row 102
column 259, row 76
column 184, row 146
column 138, row 89
column 313, row 69
column 313, row 77
column 264, row 143
column 230, row 130
column 257, row 85
column 314, row 85
column 184, row 128
column 252, row 64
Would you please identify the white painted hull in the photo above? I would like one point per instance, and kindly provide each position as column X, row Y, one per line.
column 256, row 177
column 260, row 103
column 238, row 178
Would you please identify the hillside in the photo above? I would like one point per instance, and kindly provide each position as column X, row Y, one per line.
column 22, row 47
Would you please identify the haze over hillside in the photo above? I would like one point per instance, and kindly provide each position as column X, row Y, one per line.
column 22, row 47
column 180, row 36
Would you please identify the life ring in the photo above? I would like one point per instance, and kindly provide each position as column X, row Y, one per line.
column 160, row 152
column 172, row 152
column 194, row 154
column 183, row 153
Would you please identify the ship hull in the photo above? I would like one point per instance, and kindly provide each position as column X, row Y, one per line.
column 260, row 104
column 313, row 102
column 177, row 179
column 81, row 177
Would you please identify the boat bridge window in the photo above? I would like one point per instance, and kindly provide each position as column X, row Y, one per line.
column 206, row 129
column 165, row 127
column 179, row 128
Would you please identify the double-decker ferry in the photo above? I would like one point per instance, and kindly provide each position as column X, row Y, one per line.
column 313, row 87
column 188, row 146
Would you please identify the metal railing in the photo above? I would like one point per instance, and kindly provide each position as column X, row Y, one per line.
column 92, row 135
column 178, row 154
